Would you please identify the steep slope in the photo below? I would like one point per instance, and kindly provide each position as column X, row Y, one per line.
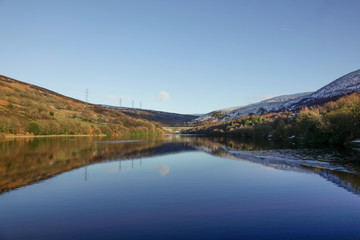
column 344, row 85
column 29, row 109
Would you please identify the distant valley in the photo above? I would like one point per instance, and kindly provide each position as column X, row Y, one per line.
column 164, row 118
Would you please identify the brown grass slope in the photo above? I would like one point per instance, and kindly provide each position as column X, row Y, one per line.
column 26, row 109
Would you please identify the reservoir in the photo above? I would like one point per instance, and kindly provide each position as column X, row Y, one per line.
column 176, row 187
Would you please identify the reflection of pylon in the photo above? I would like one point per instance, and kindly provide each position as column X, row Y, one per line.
column 86, row 173
column 85, row 168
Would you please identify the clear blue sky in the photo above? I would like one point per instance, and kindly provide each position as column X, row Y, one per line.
column 201, row 55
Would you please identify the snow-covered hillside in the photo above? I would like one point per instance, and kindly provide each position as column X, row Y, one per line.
column 347, row 84
column 344, row 85
column 268, row 105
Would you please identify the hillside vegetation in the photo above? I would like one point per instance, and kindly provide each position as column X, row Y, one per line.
column 27, row 109
column 332, row 123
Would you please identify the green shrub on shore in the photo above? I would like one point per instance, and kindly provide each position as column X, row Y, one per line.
column 34, row 128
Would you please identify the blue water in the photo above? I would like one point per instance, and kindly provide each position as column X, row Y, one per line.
column 188, row 194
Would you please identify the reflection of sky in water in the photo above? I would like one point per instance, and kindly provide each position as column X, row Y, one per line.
column 203, row 196
column 227, row 198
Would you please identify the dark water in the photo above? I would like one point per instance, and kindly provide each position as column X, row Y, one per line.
column 176, row 187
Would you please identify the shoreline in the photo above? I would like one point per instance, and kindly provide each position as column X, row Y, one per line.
column 3, row 137
column 45, row 136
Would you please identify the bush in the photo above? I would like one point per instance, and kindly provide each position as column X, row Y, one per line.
column 34, row 128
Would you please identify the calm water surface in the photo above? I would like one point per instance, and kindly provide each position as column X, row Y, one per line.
column 176, row 187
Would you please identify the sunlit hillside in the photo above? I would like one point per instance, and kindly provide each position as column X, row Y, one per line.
column 27, row 109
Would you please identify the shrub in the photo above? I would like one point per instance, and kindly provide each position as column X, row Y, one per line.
column 34, row 128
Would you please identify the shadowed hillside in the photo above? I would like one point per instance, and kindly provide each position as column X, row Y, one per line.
column 164, row 118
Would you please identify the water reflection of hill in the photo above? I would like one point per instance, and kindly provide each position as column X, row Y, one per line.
column 340, row 166
column 25, row 161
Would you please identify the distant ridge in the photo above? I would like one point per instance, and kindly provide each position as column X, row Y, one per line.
column 165, row 118
column 344, row 85
column 268, row 105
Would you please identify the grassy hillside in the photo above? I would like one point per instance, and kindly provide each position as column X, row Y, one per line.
column 332, row 123
column 27, row 109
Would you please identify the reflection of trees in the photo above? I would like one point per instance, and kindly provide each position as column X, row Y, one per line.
column 25, row 161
